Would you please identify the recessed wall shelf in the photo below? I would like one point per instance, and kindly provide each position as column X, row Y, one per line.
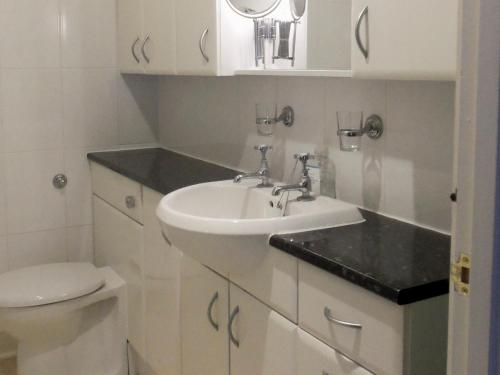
column 294, row 73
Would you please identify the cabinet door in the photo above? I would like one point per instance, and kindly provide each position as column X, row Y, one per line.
column 159, row 36
column 262, row 341
column 130, row 36
column 405, row 39
column 204, row 316
column 314, row 357
column 197, row 36
column 162, row 265
column 118, row 244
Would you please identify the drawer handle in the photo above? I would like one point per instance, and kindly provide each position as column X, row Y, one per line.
column 130, row 202
column 202, row 45
column 328, row 315
column 209, row 311
column 234, row 340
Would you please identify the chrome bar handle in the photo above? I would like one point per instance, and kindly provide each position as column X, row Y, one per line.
column 209, row 311
column 235, row 312
column 136, row 58
column 328, row 315
column 202, row 43
column 143, row 49
column 363, row 49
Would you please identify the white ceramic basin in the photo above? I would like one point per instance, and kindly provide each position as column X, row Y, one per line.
column 227, row 226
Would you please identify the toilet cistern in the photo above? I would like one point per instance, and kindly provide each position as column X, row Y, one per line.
column 264, row 172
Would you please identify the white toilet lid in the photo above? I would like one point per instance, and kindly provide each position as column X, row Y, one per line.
column 48, row 283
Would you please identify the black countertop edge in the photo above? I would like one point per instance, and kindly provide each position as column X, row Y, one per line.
column 421, row 272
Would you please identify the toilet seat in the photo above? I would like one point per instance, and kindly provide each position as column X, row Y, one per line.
column 48, row 283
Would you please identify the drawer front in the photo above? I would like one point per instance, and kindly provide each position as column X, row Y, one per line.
column 360, row 324
column 119, row 191
column 316, row 358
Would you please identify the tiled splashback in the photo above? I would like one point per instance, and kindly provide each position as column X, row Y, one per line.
column 407, row 173
column 61, row 96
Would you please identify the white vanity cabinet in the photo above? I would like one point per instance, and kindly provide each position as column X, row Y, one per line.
column 262, row 341
column 204, row 311
column 128, row 238
column 386, row 338
column 146, row 36
column 314, row 357
column 161, row 293
column 118, row 243
column 403, row 39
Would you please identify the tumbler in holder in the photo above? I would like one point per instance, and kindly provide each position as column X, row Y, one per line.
column 350, row 130
column 266, row 114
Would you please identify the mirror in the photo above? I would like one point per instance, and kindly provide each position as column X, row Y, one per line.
column 298, row 8
column 254, row 8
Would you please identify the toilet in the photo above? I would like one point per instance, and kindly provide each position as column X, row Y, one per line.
column 68, row 319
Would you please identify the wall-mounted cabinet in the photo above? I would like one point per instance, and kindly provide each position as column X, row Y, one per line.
column 387, row 39
column 146, row 36
column 397, row 39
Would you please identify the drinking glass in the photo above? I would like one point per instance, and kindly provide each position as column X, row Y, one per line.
column 350, row 130
column 266, row 114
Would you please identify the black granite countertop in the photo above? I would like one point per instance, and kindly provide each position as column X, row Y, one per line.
column 399, row 261
column 161, row 170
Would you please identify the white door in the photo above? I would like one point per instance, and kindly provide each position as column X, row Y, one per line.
column 204, row 318
column 197, row 36
column 475, row 173
column 162, row 264
column 130, row 36
column 118, row 244
column 262, row 341
column 404, row 39
column 159, row 36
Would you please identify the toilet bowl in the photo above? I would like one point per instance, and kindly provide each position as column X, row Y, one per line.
column 68, row 319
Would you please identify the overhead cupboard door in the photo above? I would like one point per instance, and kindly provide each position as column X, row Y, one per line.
column 403, row 39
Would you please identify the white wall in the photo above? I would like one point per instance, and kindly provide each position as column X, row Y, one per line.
column 61, row 96
column 407, row 174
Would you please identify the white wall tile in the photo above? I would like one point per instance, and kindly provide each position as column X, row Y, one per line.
column 88, row 33
column 90, row 109
column 78, row 191
column 137, row 109
column 33, row 204
column 32, row 113
column 4, row 255
column 29, row 33
column 3, row 208
column 406, row 173
column 30, row 249
column 81, row 244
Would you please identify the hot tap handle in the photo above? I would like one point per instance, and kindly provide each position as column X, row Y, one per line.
column 304, row 157
column 263, row 149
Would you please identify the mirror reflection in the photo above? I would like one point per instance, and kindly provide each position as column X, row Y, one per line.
column 253, row 8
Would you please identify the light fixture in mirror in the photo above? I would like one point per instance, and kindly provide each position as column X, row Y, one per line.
column 298, row 8
column 253, row 8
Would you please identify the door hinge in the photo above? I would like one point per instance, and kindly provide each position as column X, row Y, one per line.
column 460, row 274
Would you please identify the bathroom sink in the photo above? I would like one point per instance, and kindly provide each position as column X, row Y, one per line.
column 227, row 226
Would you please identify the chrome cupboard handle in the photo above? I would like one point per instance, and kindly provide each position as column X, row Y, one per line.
column 209, row 311
column 235, row 312
column 143, row 49
column 136, row 58
column 364, row 50
column 328, row 315
column 202, row 45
